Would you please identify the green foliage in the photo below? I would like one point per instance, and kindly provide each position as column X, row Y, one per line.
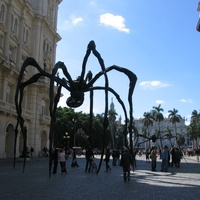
column 180, row 140
column 68, row 121
column 194, row 127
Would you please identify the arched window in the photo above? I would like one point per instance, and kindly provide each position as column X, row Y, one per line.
column 1, row 43
column 12, row 23
column 43, row 107
column 9, row 93
column 44, row 47
column 27, row 36
column 47, row 50
column 2, row 13
column 24, row 35
column 15, row 26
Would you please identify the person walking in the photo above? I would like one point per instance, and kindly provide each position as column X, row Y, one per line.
column 32, row 151
column 107, row 160
column 55, row 160
column 197, row 154
column 173, row 156
column 126, row 163
column 62, row 160
column 153, row 156
column 74, row 160
column 178, row 156
column 89, row 155
column 164, row 157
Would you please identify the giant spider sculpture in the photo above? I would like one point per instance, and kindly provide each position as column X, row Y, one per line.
column 77, row 88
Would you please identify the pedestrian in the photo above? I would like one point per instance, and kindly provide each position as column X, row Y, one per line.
column 178, row 156
column 32, row 151
column 107, row 160
column 147, row 155
column 164, row 157
column 117, row 157
column 62, row 160
column 89, row 155
column 55, row 160
column 114, row 156
column 173, row 156
column 45, row 151
column 125, row 164
column 197, row 154
column 153, row 156
column 74, row 160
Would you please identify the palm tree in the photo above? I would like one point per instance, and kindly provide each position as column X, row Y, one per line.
column 158, row 116
column 194, row 127
column 174, row 118
column 169, row 135
column 195, row 116
column 148, row 121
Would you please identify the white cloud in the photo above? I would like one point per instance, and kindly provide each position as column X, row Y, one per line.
column 69, row 23
column 186, row 100
column 160, row 101
column 153, row 84
column 77, row 20
column 115, row 21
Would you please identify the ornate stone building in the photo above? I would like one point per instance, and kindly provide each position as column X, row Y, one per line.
column 28, row 28
column 166, row 127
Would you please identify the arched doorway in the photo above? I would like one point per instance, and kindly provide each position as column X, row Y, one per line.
column 43, row 140
column 10, row 138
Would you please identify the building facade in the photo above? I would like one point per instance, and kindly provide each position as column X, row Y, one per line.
column 28, row 28
column 166, row 128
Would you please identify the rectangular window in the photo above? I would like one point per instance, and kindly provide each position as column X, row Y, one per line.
column 12, row 54
column 9, row 93
column 1, row 43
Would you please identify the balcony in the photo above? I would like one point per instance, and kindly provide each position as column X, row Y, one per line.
column 44, row 119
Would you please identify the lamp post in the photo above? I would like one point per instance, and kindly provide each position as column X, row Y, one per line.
column 66, row 139
column 74, row 120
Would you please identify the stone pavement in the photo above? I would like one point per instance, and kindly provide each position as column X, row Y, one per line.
column 179, row 183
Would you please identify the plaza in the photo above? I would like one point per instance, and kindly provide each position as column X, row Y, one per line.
column 179, row 183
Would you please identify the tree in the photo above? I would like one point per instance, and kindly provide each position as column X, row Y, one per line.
column 77, row 125
column 194, row 127
column 147, row 122
column 174, row 118
column 169, row 135
column 63, row 124
column 158, row 116
column 180, row 140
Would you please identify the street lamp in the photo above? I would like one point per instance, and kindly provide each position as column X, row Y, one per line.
column 74, row 120
column 66, row 138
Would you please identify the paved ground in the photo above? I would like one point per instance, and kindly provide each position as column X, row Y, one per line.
column 34, row 184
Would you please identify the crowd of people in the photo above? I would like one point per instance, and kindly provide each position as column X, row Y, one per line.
column 124, row 158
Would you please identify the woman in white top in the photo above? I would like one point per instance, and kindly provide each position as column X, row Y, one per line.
column 62, row 160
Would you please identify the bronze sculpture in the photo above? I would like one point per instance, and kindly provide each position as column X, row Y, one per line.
column 77, row 88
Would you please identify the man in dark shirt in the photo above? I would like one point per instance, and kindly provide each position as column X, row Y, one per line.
column 89, row 155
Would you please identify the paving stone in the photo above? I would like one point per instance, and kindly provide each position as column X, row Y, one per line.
column 179, row 183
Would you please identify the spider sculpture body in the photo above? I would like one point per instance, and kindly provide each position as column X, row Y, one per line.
column 77, row 88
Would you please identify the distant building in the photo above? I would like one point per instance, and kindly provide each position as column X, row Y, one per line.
column 165, row 126
column 28, row 28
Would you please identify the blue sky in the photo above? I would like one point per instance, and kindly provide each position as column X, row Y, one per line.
column 157, row 40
